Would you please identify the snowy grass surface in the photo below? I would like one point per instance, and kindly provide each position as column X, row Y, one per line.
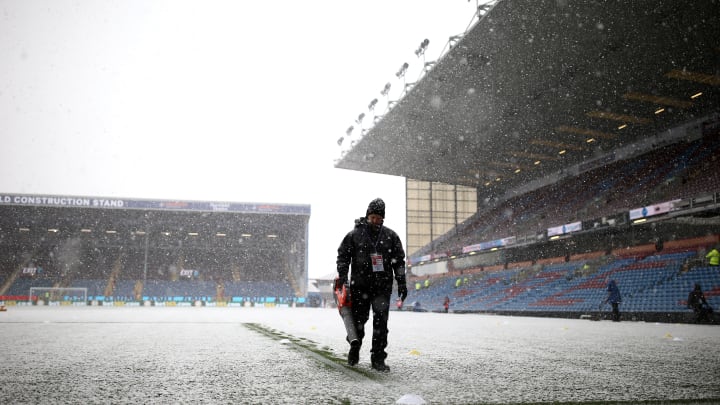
column 54, row 355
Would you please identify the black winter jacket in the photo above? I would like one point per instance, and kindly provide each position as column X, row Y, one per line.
column 355, row 251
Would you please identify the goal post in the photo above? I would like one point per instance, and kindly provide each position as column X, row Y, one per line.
column 55, row 294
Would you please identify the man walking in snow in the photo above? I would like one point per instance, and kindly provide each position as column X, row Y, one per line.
column 374, row 257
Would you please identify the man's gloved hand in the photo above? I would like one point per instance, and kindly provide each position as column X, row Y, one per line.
column 340, row 281
column 402, row 291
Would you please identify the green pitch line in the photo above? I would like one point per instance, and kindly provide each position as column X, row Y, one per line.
column 323, row 355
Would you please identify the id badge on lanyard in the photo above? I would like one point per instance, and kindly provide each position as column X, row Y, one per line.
column 377, row 262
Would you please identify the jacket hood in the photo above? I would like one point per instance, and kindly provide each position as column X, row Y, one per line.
column 360, row 222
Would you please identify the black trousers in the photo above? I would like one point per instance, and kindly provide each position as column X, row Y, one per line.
column 616, row 311
column 702, row 313
column 362, row 302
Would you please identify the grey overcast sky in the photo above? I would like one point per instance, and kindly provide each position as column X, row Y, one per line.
column 211, row 100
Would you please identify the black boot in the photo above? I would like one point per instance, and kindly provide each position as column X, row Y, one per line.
column 354, row 353
column 378, row 363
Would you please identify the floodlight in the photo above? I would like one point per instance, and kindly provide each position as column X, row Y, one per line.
column 400, row 73
column 349, row 130
column 372, row 104
column 360, row 118
column 385, row 89
column 423, row 46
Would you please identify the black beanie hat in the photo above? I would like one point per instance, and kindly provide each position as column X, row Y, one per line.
column 377, row 206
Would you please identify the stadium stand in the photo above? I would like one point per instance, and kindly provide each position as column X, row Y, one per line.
column 654, row 286
column 655, row 267
column 598, row 193
column 193, row 253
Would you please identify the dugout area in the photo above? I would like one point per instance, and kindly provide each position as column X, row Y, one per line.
column 154, row 251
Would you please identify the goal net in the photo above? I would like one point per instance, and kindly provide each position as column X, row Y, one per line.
column 51, row 294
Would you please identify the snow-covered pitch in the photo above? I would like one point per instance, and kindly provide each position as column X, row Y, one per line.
column 56, row 355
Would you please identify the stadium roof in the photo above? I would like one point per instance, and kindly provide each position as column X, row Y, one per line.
column 536, row 87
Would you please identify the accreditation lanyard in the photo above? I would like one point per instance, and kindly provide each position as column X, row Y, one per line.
column 375, row 257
